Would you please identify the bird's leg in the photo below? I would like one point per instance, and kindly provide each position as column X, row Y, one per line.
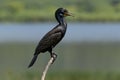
column 54, row 56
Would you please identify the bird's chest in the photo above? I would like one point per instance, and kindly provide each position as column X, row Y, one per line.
column 62, row 29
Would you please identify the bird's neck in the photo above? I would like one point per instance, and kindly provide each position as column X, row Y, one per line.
column 61, row 21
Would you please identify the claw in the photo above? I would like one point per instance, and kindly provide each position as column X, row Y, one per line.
column 54, row 57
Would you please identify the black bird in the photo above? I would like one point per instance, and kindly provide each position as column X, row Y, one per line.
column 53, row 37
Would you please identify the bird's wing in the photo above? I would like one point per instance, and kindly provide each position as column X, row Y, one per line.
column 55, row 38
column 49, row 41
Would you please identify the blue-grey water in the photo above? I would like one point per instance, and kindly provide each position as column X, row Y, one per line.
column 25, row 32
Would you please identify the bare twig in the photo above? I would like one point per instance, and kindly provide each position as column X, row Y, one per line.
column 47, row 67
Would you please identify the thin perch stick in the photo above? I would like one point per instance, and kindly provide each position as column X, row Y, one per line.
column 47, row 67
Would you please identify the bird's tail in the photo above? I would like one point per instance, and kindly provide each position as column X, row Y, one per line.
column 33, row 60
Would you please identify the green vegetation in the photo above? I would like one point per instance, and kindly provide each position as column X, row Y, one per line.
column 75, row 61
column 37, row 10
column 66, row 76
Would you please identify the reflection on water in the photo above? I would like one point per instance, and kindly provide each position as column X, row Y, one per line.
column 76, row 31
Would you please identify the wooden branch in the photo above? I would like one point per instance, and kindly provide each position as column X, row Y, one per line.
column 47, row 67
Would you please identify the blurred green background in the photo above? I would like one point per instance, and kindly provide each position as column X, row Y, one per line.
column 37, row 10
column 76, row 61
column 93, row 57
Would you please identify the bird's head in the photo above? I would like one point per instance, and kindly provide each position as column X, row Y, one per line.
column 62, row 12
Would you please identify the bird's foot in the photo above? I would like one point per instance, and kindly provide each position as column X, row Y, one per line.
column 54, row 56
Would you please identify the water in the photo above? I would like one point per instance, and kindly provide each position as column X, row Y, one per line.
column 25, row 32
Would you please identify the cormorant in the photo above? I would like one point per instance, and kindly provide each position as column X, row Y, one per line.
column 53, row 37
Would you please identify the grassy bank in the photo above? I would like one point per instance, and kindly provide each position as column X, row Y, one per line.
column 75, row 61
column 37, row 10
column 65, row 76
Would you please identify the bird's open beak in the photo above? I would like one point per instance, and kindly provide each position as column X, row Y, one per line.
column 68, row 14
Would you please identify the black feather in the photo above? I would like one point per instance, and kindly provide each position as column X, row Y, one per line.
column 33, row 61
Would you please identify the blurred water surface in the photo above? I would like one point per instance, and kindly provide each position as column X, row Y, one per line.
column 25, row 32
